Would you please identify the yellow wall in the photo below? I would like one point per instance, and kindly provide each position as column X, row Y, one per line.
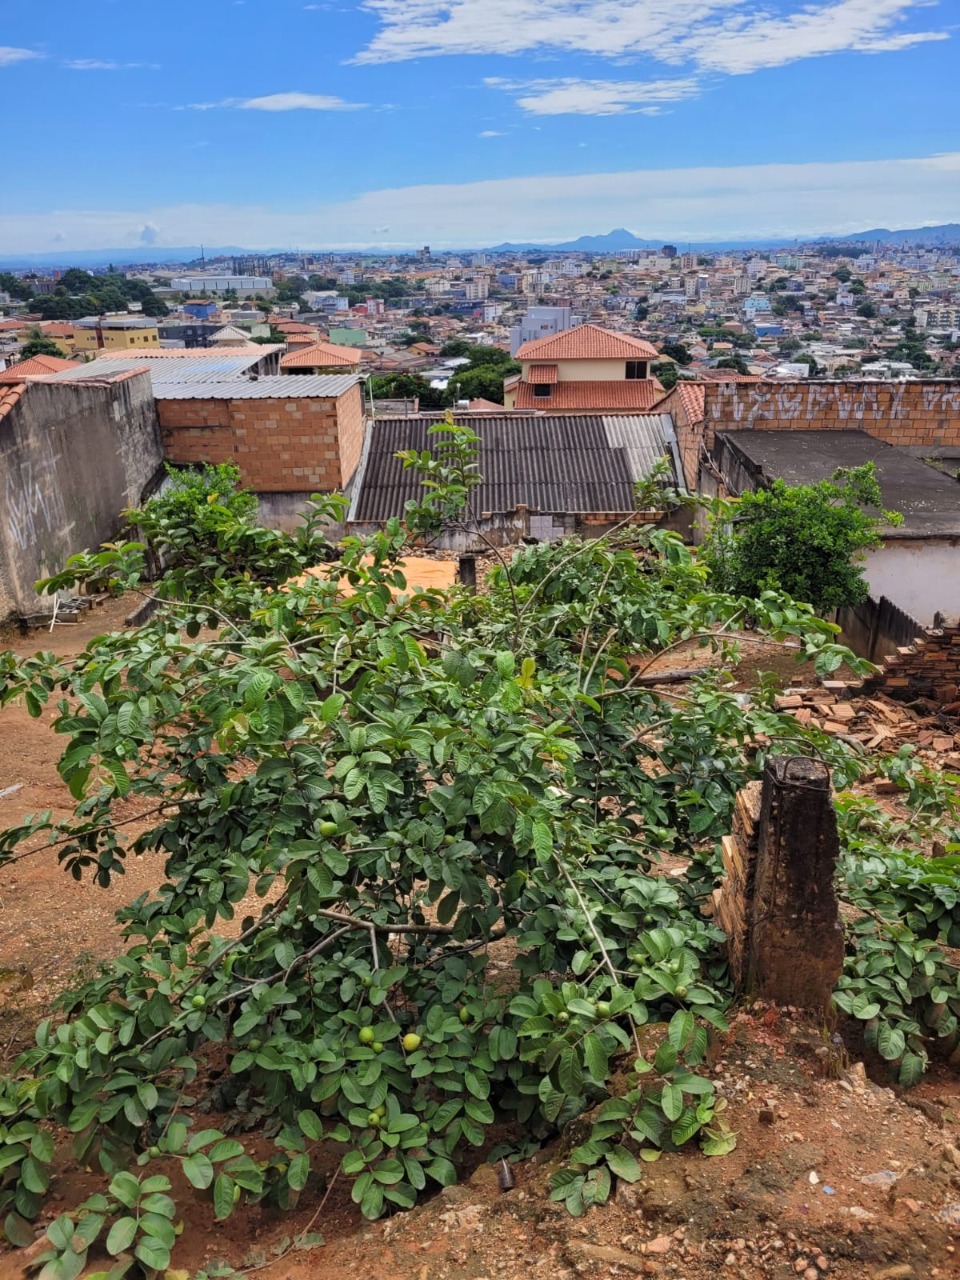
column 116, row 339
column 582, row 370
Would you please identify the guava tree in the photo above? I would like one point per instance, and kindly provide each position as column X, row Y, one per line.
column 404, row 785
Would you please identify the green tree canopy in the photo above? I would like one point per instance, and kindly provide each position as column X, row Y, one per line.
column 677, row 351
column 736, row 363
column 808, row 539
column 38, row 344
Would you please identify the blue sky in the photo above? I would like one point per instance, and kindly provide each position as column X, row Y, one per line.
column 453, row 122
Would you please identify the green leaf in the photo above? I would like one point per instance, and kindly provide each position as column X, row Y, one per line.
column 911, row 1070
column 479, row 1110
column 18, row 1231
column 865, row 1008
column 299, row 1171
column 595, row 1058
column 371, row 1206
column 719, row 1144
column 681, row 1029
column 671, row 1101
column 542, row 840
column 310, row 1125
column 442, row 1170
column 477, row 1084
column 121, row 1235
column 623, row 1164
column 223, row 1201
column 891, row 1041
column 198, row 1170
column 225, row 1149
column 34, row 1175
column 665, row 1058
column 153, row 1254
column 42, row 1147
column 570, row 1073
column 125, row 1188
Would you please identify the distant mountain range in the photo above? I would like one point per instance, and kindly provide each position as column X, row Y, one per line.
column 151, row 255
column 612, row 242
column 949, row 233
column 621, row 239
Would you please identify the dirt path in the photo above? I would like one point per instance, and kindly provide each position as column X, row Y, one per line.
column 790, row 1201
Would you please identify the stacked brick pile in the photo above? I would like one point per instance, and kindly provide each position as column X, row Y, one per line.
column 733, row 902
column 929, row 668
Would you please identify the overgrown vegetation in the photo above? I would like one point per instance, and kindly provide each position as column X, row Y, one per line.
column 404, row 786
column 808, row 539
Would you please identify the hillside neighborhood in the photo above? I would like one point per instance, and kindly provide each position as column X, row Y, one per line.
column 523, row 692
column 296, row 368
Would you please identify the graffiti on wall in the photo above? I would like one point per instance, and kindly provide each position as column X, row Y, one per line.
column 850, row 403
column 33, row 503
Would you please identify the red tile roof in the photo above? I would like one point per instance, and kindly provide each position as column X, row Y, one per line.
column 728, row 375
column 588, row 342
column 543, row 373
column 485, row 406
column 321, row 355
column 37, row 367
column 293, row 326
column 591, row 397
column 9, row 397
column 691, row 396
column 57, row 329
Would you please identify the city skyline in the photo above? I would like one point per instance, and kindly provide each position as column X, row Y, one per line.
column 456, row 122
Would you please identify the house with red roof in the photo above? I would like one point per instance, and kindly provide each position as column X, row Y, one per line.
column 585, row 370
column 321, row 357
column 36, row 367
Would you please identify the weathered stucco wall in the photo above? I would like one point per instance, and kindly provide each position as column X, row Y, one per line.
column 920, row 575
column 72, row 457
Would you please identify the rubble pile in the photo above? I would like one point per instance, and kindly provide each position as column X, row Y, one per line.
column 876, row 723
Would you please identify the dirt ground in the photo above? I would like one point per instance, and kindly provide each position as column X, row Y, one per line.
column 833, row 1175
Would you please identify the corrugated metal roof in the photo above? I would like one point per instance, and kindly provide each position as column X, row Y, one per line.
column 219, row 367
column 564, row 464
column 644, row 438
column 273, row 388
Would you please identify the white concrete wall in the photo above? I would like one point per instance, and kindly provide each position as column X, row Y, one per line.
column 919, row 575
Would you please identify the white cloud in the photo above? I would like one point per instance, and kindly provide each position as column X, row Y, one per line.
column 741, row 45
column 734, row 36
column 595, row 97
column 279, row 102
column 9, row 55
column 300, row 102
column 769, row 200
column 491, row 133
column 95, row 64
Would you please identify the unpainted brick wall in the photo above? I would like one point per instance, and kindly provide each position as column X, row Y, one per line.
column 284, row 445
column 900, row 413
column 690, row 429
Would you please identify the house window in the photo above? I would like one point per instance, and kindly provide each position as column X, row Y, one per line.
column 542, row 390
column 636, row 370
